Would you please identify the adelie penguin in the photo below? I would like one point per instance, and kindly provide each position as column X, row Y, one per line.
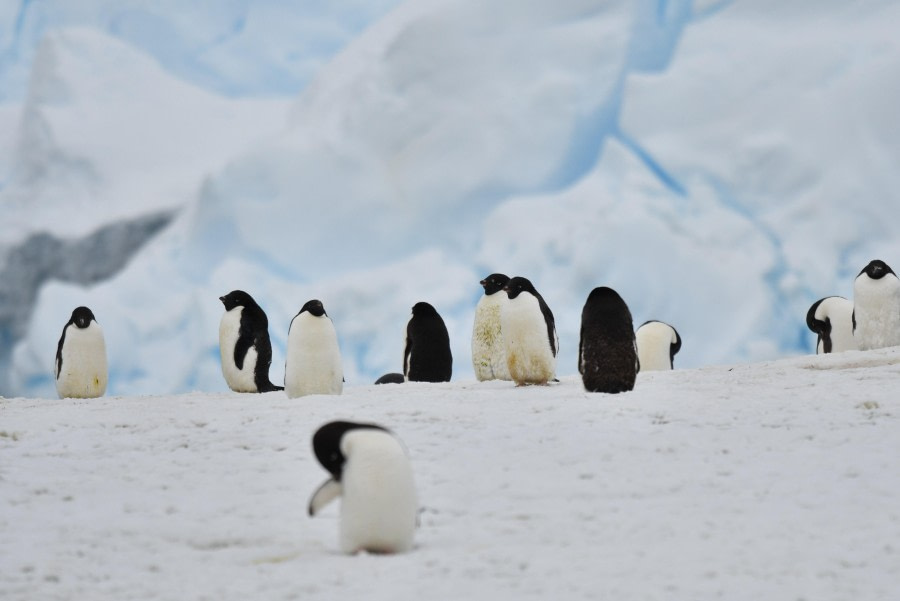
column 80, row 368
column 488, row 350
column 371, row 473
column 313, row 357
column 529, row 334
column 391, row 378
column 657, row 345
column 831, row 318
column 876, row 307
column 607, row 352
column 244, row 344
column 427, row 356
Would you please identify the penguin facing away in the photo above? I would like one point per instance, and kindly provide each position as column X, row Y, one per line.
column 313, row 357
column 529, row 334
column 80, row 368
column 427, row 356
column 391, row 378
column 607, row 351
column 488, row 349
column 372, row 474
column 657, row 345
column 244, row 344
column 831, row 318
column 876, row 307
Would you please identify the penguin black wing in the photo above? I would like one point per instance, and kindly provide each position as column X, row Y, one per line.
column 59, row 347
column 551, row 322
column 820, row 327
column 674, row 348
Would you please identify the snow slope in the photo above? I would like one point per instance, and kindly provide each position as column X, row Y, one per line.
column 771, row 480
column 721, row 164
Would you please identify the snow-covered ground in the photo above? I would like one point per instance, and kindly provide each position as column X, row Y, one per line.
column 756, row 481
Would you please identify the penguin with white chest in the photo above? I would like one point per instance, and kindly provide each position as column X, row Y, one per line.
column 313, row 357
column 876, row 307
column 371, row 473
column 607, row 351
column 529, row 334
column 488, row 350
column 427, row 356
column 831, row 318
column 80, row 368
column 244, row 344
column 657, row 345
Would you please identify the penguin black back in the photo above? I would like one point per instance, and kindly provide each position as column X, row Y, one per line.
column 427, row 356
column 81, row 318
column 326, row 444
column 254, row 332
column 607, row 354
column 516, row 286
column 391, row 378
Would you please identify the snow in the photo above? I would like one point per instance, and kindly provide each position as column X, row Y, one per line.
column 722, row 165
column 750, row 481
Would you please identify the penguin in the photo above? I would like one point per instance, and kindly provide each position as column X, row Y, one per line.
column 657, row 345
column 313, row 357
column 244, row 344
column 80, row 370
column 371, row 473
column 427, row 356
column 488, row 350
column 391, row 378
column 831, row 318
column 876, row 307
column 529, row 334
column 607, row 350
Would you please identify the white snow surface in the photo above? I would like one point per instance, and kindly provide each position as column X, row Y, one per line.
column 722, row 165
column 774, row 480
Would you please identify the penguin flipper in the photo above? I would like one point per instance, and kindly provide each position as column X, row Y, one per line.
column 325, row 494
column 243, row 344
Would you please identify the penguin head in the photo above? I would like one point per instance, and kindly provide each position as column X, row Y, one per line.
column 517, row 285
column 314, row 307
column 82, row 317
column 423, row 308
column 604, row 303
column 237, row 298
column 326, row 444
column 876, row 269
column 494, row 283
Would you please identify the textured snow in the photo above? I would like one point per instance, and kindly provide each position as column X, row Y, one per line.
column 722, row 165
column 772, row 480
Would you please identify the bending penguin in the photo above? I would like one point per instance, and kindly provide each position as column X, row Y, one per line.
column 831, row 318
column 529, row 334
column 244, row 344
column 371, row 473
column 657, row 345
column 391, row 378
column 427, row 356
column 313, row 357
column 876, row 307
column 488, row 350
column 607, row 351
column 80, row 369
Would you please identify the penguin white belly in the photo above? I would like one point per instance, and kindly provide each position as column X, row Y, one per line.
column 378, row 496
column 488, row 349
column 654, row 346
column 239, row 380
column 877, row 313
column 84, row 368
column 313, row 363
column 529, row 358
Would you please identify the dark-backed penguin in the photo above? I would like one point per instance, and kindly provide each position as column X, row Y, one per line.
column 607, row 352
column 427, row 356
column 244, row 344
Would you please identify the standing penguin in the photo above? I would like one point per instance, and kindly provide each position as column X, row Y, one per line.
column 529, row 334
column 427, row 356
column 244, row 344
column 313, row 363
column 831, row 318
column 876, row 307
column 657, row 345
column 371, row 473
column 607, row 352
column 488, row 350
column 80, row 368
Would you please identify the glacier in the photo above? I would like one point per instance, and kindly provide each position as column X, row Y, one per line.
column 720, row 164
